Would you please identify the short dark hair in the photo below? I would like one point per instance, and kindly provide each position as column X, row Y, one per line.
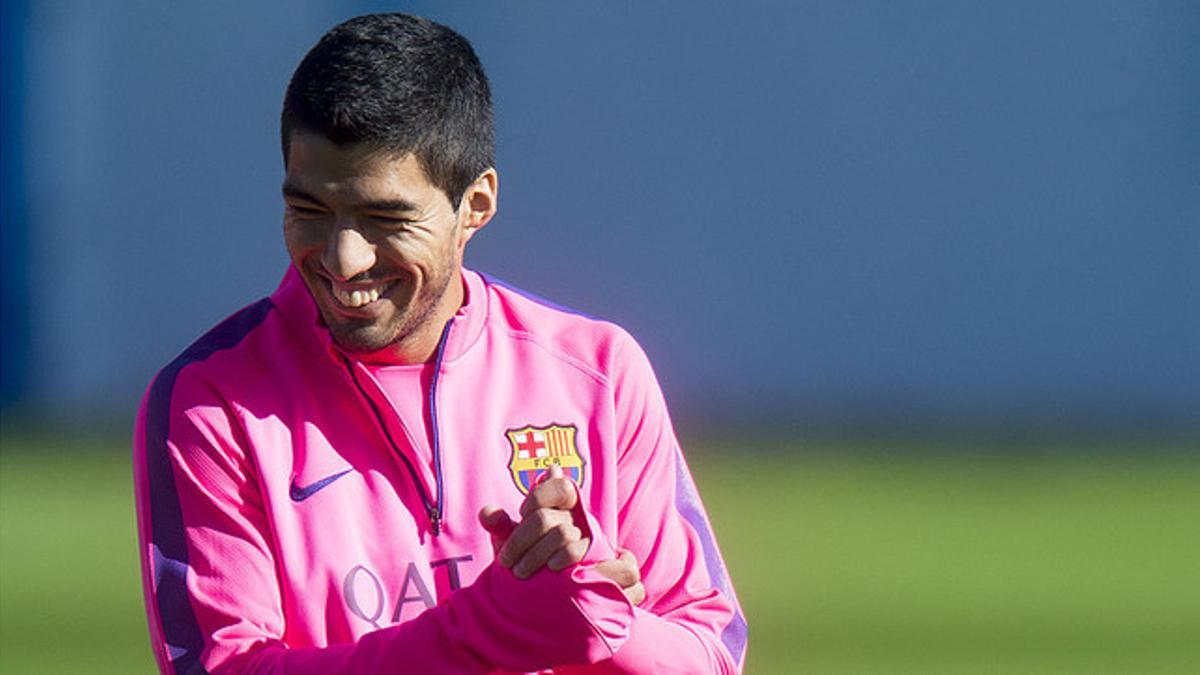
column 404, row 84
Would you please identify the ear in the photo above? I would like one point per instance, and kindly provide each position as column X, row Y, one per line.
column 478, row 204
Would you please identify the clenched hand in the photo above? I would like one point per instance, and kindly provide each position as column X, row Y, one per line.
column 548, row 536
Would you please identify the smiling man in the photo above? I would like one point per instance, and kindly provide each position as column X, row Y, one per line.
column 379, row 246
column 395, row 464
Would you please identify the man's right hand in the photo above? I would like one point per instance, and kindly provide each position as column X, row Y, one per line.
column 547, row 534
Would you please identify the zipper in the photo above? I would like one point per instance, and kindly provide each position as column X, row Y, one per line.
column 435, row 513
column 433, row 508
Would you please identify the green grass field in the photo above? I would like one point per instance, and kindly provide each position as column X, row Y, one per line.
column 846, row 561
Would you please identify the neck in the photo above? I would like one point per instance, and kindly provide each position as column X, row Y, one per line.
column 421, row 345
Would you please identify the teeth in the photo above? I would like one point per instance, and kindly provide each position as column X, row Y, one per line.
column 358, row 297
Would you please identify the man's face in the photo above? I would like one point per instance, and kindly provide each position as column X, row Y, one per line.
column 379, row 246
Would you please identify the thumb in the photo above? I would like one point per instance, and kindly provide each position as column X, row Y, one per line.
column 498, row 524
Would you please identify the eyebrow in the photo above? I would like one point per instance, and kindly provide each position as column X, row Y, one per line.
column 393, row 205
column 296, row 193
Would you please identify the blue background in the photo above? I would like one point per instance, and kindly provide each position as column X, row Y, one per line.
column 841, row 215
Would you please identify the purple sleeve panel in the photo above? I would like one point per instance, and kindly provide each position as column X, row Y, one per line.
column 174, row 626
column 687, row 503
column 691, row 614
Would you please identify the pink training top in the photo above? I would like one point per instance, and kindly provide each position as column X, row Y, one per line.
column 296, row 516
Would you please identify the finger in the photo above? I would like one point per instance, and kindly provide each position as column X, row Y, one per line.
column 624, row 571
column 636, row 593
column 552, row 493
column 496, row 520
column 531, row 529
column 621, row 570
column 556, row 471
column 569, row 554
column 497, row 523
column 539, row 553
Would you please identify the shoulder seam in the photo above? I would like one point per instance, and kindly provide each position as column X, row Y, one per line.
column 537, row 299
column 575, row 363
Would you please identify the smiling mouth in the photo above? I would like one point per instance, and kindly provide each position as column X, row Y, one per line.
column 358, row 297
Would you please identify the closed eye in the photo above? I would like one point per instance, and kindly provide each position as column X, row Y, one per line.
column 392, row 222
column 302, row 203
column 310, row 215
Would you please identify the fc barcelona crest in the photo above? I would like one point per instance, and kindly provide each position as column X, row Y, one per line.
column 535, row 449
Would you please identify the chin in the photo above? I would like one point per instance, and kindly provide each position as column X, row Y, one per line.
column 359, row 336
column 361, row 340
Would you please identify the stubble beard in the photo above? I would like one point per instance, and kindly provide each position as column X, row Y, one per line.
column 366, row 337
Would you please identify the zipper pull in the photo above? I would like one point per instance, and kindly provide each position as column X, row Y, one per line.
column 435, row 520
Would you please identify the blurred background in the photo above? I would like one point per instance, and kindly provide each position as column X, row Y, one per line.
column 921, row 282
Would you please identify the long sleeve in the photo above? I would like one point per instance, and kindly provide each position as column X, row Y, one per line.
column 213, row 595
column 487, row 625
column 690, row 621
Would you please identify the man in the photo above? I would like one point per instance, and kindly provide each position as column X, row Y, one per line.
column 395, row 464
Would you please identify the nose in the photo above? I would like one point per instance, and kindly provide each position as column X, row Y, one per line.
column 347, row 254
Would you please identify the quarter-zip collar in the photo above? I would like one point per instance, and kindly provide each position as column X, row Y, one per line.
column 458, row 335
column 392, row 426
